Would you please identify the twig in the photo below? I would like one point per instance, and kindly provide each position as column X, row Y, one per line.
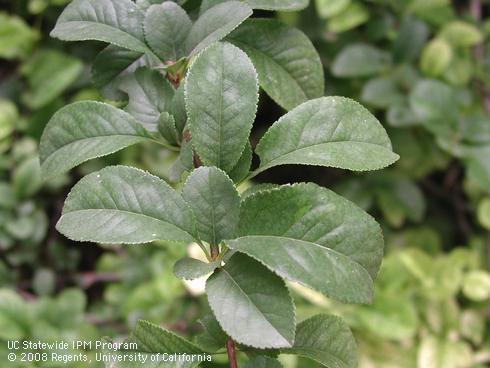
column 479, row 51
column 230, row 349
column 87, row 279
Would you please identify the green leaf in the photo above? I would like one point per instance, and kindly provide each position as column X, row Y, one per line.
column 263, row 362
column 191, row 268
column 412, row 36
column 289, row 67
column 49, row 73
column 254, row 189
column 26, row 178
column 382, row 93
column 7, row 197
column 483, row 213
column 298, row 230
column 119, row 22
column 391, row 317
column 178, row 108
column 340, row 278
column 478, row 165
column 252, row 304
column 83, row 131
column 242, row 167
column 330, row 8
column 185, row 162
column 152, row 339
column 213, row 337
column 145, row 4
column 437, row 352
column 329, row 131
column 110, row 65
column 280, row 5
column 149, row 93
column 16, row 38
column 166, row 127
column 215, row 24
column 212, row 196
column 121, row 204
column 436, row 57
column 9, row 116
column 461, row 34
column 432, row 100
column 399, row 197
column 476, row 285
column 326, row 340
column 15, row 316
column 166, row 28
column 360, row 60
column 351, row 17
column 221, row 97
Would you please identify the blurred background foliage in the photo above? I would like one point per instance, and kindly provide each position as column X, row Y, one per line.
column 422, row 66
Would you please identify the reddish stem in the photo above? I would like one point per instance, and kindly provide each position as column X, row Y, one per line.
column 230, row 349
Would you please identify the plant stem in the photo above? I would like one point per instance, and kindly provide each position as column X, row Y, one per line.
column 230, row 349
column 214, row 252
column 204, row 249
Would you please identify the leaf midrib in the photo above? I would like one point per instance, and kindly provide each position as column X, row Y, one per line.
column 90, row 138
column 306, row 242
column 254, row 305
column 267, row 164
column 129, row 212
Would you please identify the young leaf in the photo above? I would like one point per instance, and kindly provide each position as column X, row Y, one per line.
column 329, row 131
column 436, row 57
column 119, row 22
column 263, row 362
column 149, row 93
column 252, row 304
column 185, row 162
column 461, row 34
column 360, row 60
column 289, row 68
column 110, row 65
column 221, row 97
column 242, row 167
column 166, row 127
column 83, row 131
column 178, row 109
column 121, row 204
column 215, row 24
column 166, row 28
column 212, row 196
column 326, row 340
column 191, row 268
